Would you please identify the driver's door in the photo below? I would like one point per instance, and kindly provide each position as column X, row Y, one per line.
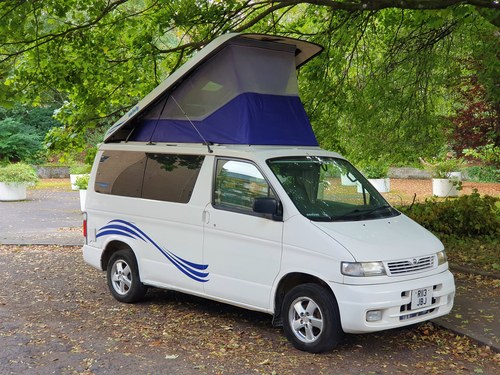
column 242, row 248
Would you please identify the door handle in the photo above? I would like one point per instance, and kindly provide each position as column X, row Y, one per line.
column 206, row 217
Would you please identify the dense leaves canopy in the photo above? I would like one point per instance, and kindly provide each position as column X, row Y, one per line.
column 385, row 85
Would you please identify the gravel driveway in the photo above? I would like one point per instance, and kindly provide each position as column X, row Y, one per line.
column 56, row 316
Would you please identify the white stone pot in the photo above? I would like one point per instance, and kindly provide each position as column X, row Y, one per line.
column 444, row 187
column 12, row 192
column 383, row 185
column 83, row 197
column 345, row 181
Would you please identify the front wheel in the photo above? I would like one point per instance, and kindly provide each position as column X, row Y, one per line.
column 312, row 322
column 123, row 277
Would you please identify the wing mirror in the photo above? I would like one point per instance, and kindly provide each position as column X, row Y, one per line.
column 268, row 206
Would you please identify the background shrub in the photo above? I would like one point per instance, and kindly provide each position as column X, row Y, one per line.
column 486, row 173
column 466, row 216
column 18, row 141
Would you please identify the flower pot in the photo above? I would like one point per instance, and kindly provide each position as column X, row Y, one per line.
column 12, row 192
column 72, row 179
column 444, row 187
column 83, row 197
column 383, row 185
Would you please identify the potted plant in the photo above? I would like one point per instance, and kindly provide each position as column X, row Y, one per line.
column 445, row 173
column 14, row 179
column 78, row 170
column 377, row 172
column 82, row 183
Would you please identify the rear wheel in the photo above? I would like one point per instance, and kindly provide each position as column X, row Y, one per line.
column 123, row 277
column 311, row 320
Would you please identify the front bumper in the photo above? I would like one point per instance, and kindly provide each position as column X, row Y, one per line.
column 393, row 301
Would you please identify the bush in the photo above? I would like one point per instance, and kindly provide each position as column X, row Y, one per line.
column 82, row 182
column 18, row 173
column 466, row 216
column 375, row 170
column 486, row 173
column 18, row 141
column 80, row 169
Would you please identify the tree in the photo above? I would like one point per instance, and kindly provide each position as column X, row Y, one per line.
column 386, row 70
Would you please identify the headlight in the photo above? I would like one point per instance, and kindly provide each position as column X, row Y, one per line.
column 442, row 258
column 363, row 269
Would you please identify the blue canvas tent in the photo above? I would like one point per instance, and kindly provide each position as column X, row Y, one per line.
column 240, row 89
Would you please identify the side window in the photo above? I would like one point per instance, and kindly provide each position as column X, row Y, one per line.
column 237, row 184
column 171, row 177
column 163, row 177
column 120, row 173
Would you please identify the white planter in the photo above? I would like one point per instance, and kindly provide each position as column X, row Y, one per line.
column 444, row 187
column 383, row 185
column 345, row 181
column 83, row 197
column 72, row 179
column 457, row 176
column 12, row 192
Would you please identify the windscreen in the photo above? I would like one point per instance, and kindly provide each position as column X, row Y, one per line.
column 329, row 189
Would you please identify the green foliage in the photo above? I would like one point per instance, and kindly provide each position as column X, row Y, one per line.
column 466, row 216
column 80, row 168
column 442, row 168
column 485, row 173
column 64, row 144
column 18, row 173
column 41, row 119
column 444, row 164
column 488, row 154
column 82, row 182
column 375, row 169
column 385, row 85
column 18, row 141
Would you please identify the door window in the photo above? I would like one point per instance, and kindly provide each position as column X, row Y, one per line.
column 238, row 184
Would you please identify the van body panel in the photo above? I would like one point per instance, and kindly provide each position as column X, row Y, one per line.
column 244, row 254
column 383, row 239
column 313, row 253
column 163, row 236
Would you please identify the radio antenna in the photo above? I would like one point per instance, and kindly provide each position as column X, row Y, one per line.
column 193, row 125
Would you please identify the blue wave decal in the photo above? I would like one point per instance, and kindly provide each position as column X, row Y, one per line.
column 124, row 228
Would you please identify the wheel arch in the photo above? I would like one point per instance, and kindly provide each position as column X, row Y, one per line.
column 111, row 248
column 288, row 282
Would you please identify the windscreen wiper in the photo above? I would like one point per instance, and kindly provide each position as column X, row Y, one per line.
column 360, row 214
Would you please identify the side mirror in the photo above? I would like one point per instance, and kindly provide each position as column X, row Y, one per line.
column 269, row 206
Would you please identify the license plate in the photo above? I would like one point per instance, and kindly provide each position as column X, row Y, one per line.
column 421, row 298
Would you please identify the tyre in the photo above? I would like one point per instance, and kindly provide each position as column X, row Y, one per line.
column 311, row 319
column 123, row 277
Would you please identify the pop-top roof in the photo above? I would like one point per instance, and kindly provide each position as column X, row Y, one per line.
column 239, row 89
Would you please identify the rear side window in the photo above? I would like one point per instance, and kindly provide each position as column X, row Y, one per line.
column 163, row 177
column 120, row 173
column 171, row 177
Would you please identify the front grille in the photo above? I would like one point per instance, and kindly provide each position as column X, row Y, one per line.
column 402, row 267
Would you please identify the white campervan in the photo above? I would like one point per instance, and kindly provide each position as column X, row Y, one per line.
column 214, row 185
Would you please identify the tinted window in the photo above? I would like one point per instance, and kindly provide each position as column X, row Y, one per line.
column 237, row 185
column 171, row 177
column 120, row 173
column 163, row 177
